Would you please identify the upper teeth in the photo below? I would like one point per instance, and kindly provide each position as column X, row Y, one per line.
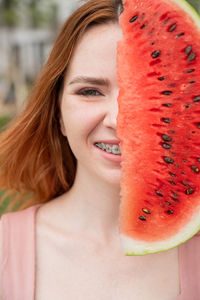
column 108, row 148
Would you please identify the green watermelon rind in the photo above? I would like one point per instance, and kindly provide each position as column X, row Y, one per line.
column 193, row 227
column 190, row 10
column 143, row 248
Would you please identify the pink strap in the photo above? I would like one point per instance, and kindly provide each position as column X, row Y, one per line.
column 18, row 259
column 189, row 260
column 18, row 255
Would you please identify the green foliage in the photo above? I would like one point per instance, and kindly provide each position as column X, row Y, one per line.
column 7, row 201
column 4, row 120
column 4, row 206
column 8, row 13
column 39, row 17
column 37, row 14
column 8, row 17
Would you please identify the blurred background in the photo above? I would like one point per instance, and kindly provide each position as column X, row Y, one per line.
column 28, row 29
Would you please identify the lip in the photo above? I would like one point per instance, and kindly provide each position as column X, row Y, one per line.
column 117, row 142
column 109, row 156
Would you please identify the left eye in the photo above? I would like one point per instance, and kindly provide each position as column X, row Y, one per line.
column 89, row 92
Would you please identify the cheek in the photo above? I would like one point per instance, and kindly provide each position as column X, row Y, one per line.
column 79, row 121
column 78, row 127
column 80, row 116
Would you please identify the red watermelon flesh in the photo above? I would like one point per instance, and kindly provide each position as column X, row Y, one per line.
column 159, row 124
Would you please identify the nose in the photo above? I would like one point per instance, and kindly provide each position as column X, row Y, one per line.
column 110, row 119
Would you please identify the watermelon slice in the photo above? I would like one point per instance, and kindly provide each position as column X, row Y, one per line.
column 159, row 124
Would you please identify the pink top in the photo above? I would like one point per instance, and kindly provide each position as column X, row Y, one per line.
column 19, row 255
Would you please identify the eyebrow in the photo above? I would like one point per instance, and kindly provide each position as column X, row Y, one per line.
column 92, row 80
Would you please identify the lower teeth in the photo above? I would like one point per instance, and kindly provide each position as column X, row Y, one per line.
column 111, row 152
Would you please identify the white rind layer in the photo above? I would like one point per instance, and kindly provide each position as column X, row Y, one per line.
column 136, row 247
column 188, row 9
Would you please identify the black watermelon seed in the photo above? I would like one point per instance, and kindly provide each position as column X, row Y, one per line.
column 172, row 27
column 133, row 19
column 166, row 146
column 169, row 203
column 168, row 160
column 142, row 218
column 175, row 194
column 195, row 169
column 143, row 26
column 167, row 104
column 158, row 193
column 189, row 191
column 187, row 106
column 161, row 78
column 156, row 54
column 188, row 49
column 191, row 56
column 146, row 211
column 190, row 71
column 167, row 93
column 198, row 159
column 166, row 120
column 180, row 34
column 172, row 182
column 197, row 98
column 172, row 174
column 166, row 138
column 172, row 131
column 198, row 125
column 175, row 199
column 170, row 212
column 185, row 183
column 192, row 81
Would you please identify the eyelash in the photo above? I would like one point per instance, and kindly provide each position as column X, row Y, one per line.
column 82, row 92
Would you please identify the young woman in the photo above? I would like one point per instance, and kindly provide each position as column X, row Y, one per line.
column 65, row 243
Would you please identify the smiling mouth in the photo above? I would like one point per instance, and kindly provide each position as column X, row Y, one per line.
column 109, row 148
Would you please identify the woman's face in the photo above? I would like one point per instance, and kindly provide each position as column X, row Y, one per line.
column 89, row 105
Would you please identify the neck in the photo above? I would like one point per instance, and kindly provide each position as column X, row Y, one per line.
column 95, row 204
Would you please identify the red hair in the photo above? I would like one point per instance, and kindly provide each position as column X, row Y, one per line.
column 36, row 162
